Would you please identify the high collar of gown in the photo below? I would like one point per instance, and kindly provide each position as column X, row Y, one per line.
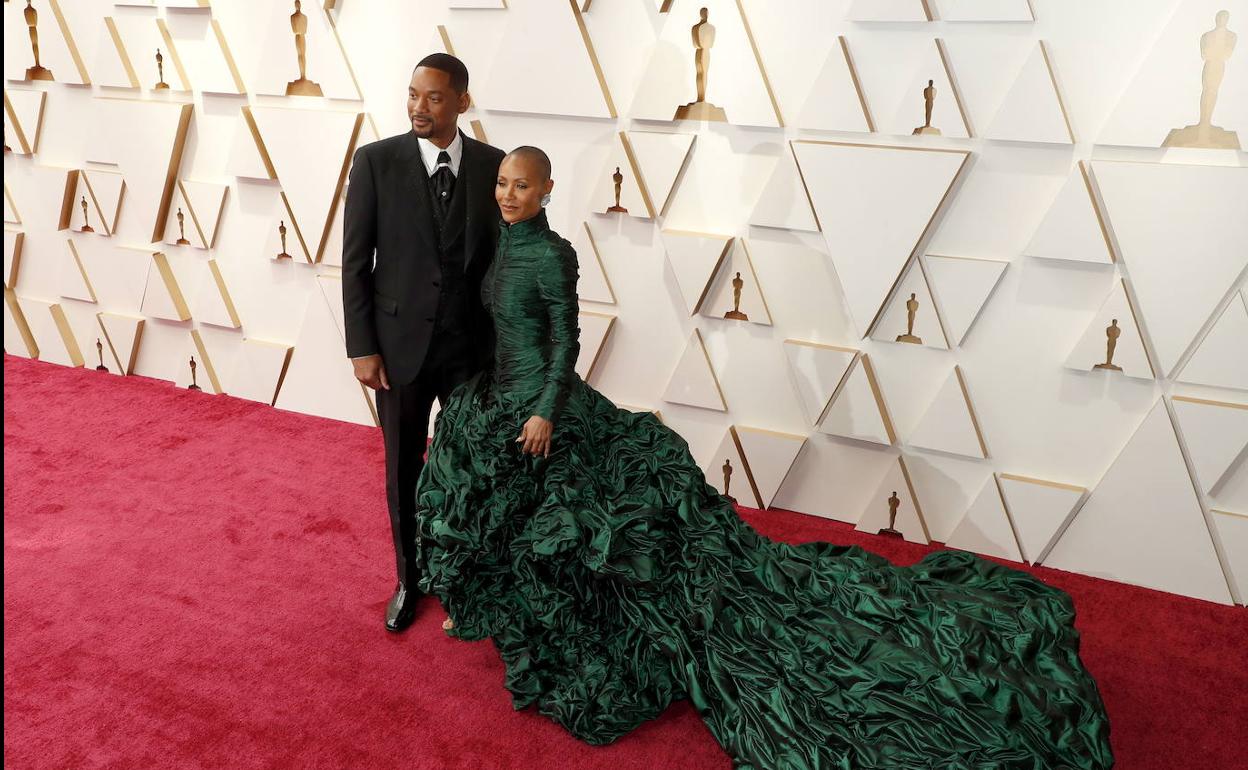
column 524, row 230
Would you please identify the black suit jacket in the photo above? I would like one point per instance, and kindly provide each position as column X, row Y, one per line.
column 390, row 304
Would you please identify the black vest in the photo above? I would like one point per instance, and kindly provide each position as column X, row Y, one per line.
column 452, row 315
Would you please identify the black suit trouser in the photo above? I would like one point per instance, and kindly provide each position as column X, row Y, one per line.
column 403, row 411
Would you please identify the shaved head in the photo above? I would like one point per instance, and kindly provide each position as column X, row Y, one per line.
column 534, row 157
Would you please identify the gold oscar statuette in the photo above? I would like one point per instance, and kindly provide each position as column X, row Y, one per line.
column 736, row 314
column 929, row 101
column 182, row 241
column 281, row 231
column 161, row 85
column 37, row 72
column 727, row 468
column 703, row 40
column 193, row 385
column 1112, row 333
column 618, row 178
column 99, row 348
column 299, row 26
column 912, row 307
column 86, row 225
column 1216, row 46
column 894, row 502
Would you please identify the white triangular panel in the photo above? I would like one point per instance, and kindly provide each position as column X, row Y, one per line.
column 213, row 303
column 634, row 195
column 56, row 341
column 105, row 190
column 1143, row 523
column 1032, row 110
column 73, row 281
column 909, row 513
column 660, row 156
column 983, row 10
column 146, row 139
column 817, row 370
column 784, row 202
column 695, row 259
column 320, row 379
column 946, row 114
column 274, row 64
column 1158, row 210
column 834, row 103
column 986, row 527
column 18, row 339
column 735, row 82
column 873, row 226
column 727, row 463
column 205, row 373
column 947, row 485
column 857, row 410
column 563, row 49
column 122, row 334
column 1215, row 433
column 1039, row 510
column 1220, row 360
column 693, row 382
column 592, row 284
column 11, row 216
column 961, row 286
column 769, row 456
column 273, row 242
column 202, row 47
column 13, row 242
column 1093, row 346
column 258, row 370
column 887, row 10
column 949, row 423
column 595, row 328
column 58, row 48
column 1072, row 227
column 309, row 151
column 720, row 299
column 894, row 322
column 164, row 296
column 23, row 119
column 132, row 41
column 1165, row 92
column 205, row 202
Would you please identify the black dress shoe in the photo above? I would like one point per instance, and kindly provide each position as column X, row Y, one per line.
column 401, row 609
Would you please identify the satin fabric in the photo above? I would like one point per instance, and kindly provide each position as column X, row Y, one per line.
column 613, row 580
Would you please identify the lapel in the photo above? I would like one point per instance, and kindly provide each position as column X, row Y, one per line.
column 418, row 183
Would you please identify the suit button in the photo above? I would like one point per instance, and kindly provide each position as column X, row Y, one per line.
column 436, row 284
column 430, row 320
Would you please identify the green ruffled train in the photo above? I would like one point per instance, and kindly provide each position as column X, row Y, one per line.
column 613, row 580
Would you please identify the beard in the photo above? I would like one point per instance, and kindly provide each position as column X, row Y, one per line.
column 424, row 130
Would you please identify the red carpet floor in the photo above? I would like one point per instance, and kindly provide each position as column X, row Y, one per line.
column 193, row 581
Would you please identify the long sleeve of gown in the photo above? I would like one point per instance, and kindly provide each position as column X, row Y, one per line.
column 556, row 284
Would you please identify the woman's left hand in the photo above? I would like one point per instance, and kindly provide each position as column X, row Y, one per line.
column 535, row 436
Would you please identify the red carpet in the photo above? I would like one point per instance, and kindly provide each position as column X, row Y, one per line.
column 193, row 581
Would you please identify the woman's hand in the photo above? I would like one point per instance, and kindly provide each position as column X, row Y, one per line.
column 535, row 436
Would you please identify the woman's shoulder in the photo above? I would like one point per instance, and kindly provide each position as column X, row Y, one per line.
column 555, row 246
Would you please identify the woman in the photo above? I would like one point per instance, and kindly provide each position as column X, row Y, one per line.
column 613, row 579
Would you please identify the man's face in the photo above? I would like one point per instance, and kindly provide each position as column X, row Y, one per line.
column 432, row 105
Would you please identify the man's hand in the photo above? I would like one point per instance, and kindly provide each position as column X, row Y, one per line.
column 535, row 436
column 371, row 371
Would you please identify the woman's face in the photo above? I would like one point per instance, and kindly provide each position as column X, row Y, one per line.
column 520, row 188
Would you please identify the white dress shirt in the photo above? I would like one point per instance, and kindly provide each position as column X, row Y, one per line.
column 429, row 153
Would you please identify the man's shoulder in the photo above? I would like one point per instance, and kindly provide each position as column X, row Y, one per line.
column 382, row 146
column 487, row 151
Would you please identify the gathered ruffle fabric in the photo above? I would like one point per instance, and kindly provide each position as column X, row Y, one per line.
column 614, row 580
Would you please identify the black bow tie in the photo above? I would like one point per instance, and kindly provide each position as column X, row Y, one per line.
column 443, row 181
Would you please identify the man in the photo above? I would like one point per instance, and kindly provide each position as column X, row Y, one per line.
column 423, row 204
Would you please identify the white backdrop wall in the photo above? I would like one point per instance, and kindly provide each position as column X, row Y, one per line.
column 1046, row 208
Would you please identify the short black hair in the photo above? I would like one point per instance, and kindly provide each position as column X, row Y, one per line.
column 452, row 66
column 537, row 156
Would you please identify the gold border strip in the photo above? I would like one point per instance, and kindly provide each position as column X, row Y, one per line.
column 23, row 326
column 593, row 245
column 775, row 106
column 73, row 250
column 593, row 58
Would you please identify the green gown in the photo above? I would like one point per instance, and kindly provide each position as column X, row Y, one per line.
column 613, row 580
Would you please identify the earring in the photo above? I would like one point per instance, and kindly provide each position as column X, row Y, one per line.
column 545, row 200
